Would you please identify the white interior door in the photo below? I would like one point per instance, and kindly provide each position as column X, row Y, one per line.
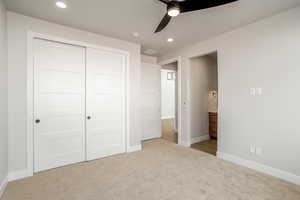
column 59, row 104
column 168, row 94
column 105, row 96
column 151, row 101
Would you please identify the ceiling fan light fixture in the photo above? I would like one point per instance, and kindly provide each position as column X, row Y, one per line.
column 173, row 11
column 175, row 7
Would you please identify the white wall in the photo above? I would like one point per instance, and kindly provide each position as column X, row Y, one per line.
column 18, row 25
column 203, row 78
column 150, row 100
column 168, row 95
column 3, row 95
column 171, row 66
column 264, row 54
column 149, row 59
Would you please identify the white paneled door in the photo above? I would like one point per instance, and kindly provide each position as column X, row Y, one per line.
column 105, row 106
column 168, row 94
column 151, row 101
column 59, row 104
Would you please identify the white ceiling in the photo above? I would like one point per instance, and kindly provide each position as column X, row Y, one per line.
column 120, row 18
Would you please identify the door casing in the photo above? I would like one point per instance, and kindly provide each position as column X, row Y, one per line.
column 179, row 96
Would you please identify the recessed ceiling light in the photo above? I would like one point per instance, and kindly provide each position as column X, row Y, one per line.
column 61, row 4
column 170, row 40
column 135, row 34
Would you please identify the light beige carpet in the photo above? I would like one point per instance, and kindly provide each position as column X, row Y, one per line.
column 162, row 171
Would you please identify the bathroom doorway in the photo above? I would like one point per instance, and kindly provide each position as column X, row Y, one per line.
column 204, row 103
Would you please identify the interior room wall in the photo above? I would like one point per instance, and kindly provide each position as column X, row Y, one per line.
column 150, row 98
column 203, row 78
column 263, row 55
column 3, row 97
column 18, row 27
column 149, row 59
column 171, row 66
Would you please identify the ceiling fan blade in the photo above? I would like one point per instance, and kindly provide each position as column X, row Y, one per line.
column 192, row 5
column 164, row 22
column 164, row 1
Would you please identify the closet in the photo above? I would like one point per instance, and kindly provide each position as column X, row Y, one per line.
column 79, row 104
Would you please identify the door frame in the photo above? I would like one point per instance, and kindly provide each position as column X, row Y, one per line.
column 30, row 89
column 200, row 54
column 179, row 96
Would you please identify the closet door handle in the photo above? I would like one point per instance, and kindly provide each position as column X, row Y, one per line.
column 37, row 121
column 88, row 117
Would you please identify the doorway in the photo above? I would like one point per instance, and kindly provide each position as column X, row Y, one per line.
column 169, row 102
column 204, row 102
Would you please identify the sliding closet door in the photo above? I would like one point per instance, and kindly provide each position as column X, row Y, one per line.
column 59, row 104
column 105, row 96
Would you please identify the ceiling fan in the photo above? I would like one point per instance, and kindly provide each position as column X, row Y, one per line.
column 175, row 7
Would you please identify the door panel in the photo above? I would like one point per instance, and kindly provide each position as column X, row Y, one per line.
column 150, row 87
column 59, row 104
column 168, row 96
column 105, row 90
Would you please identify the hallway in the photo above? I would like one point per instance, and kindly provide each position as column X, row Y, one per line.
column 168, row 130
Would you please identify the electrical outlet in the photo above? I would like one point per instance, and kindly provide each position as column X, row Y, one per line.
column 258, row 151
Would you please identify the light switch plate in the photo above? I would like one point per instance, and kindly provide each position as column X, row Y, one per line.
column 252, row 91
column 259, row 91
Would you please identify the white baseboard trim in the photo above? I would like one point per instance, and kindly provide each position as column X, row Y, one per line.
column 168, row 117
column 16, row 175
column 3, row 185
column 287, row 176
column 199, row 139
column 134, row 148
column 151, row 138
